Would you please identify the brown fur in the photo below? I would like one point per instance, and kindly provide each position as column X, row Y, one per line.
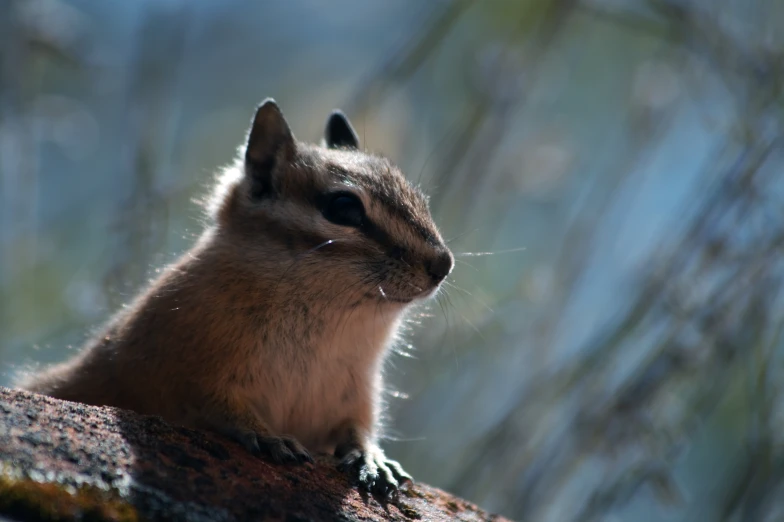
column 276, row 323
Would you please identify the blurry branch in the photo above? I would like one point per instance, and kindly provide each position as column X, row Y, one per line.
column 53, row 29
column 33, row 35
column 698, row 31
column 611, row 420
column 481, row 128
column 757, row 488
column 685, row 252
column 404, row 63
column 709, row 303
column 631, row 21
column 150, row 127
column 584, row 229
column 498, row 96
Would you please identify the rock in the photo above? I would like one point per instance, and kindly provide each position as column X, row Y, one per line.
column 67, row 461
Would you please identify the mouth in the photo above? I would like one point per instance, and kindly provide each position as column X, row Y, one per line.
column 400, row 300
column 426, row 294
column 381, row 295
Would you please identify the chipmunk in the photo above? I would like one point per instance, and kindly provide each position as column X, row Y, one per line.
column 274, row 327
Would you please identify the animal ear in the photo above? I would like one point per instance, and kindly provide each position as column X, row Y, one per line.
column 269, row 141
column 339, row 134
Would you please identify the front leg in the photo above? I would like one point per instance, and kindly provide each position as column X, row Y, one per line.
column 366, row 464
column 233, row 418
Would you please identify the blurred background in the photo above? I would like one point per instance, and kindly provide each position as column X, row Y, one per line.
column 608, row 172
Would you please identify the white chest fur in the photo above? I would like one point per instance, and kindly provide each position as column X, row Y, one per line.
column 308, row 390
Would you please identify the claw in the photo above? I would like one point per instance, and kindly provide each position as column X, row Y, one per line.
column 373, row 472
column 403, row 478
column 298, row 450
column 281, row 450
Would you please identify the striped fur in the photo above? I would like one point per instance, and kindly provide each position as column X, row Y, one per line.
column 277, row 321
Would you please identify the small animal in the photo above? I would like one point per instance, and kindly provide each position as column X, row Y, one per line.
column 274, row 327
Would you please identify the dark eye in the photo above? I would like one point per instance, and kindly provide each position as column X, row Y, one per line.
column 345, row 209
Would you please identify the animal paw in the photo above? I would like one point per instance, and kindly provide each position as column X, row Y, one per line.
column 281, row 450
column 375, row 473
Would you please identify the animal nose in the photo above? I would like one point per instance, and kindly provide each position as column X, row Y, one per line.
column 441, row 266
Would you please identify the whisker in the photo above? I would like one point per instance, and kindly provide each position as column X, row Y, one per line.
column 475, row 254
column 448, row 330
column 448, row 326
column 466, row 319
column 325, row 243
column 404, row 439
column 460, row 235
column 412, row 285
column 451, row 130
column 467, row 264
column 404, row 350
column 482, row 302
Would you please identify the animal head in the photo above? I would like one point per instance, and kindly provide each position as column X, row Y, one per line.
column 330, row 217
